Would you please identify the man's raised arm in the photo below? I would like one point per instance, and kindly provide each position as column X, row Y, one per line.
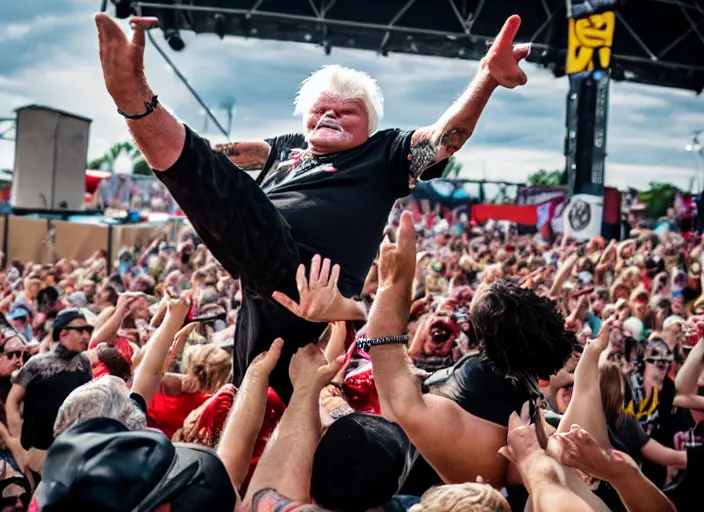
column 500, row 67
column 159, row 135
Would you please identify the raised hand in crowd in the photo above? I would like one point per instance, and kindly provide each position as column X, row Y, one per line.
column 310, row 368
column 148, row 375
column 320, row 298
column 247, row 414
column 543, row 477
column 579, row 450
column 287, row 462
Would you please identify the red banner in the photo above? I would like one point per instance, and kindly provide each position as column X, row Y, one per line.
column 526, row 215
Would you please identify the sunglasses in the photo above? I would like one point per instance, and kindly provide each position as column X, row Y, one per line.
column 17, row 354
column 658, row 362
column 79, row 328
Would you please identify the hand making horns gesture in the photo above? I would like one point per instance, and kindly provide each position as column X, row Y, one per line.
column 122, row 60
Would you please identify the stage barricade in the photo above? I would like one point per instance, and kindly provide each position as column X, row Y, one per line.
column 24, row 239
column 133, row 234
column 78, row 241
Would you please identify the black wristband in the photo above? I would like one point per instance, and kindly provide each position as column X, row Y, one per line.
column 150, row 106
column 366, row 344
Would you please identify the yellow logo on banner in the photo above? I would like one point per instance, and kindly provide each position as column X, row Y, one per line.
column 589, row 43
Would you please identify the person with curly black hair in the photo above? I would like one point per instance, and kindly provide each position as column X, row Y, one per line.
column 460, row 425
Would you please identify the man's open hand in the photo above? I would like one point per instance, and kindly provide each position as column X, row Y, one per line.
column 503, row 57
column 319, row 295
column 122, row 60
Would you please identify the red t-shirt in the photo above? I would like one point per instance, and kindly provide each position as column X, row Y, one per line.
column 167, row 413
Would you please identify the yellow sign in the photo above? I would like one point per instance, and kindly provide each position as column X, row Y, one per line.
column 589, row 43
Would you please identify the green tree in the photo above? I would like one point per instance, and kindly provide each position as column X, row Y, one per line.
column 659, row 198
column 544, row 178
column 452, row 169
column 107, row 161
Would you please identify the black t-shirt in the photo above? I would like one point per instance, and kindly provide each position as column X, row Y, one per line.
column 48, row 379
column 338, row 204
column 334, row 205
column 627, row 435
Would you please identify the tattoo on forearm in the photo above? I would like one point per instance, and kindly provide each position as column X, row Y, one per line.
column 423, row 153
column 246, row 155
column 453, row 139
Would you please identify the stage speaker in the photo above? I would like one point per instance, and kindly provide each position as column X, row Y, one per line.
column 51, row 149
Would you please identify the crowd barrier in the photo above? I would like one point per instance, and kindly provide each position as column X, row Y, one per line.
column 27, row 238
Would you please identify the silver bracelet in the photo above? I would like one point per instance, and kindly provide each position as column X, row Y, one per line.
column 366, row 344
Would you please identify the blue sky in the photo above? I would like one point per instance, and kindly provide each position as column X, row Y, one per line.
column 49, row 56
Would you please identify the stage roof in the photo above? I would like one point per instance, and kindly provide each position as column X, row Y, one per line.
column 658, row 42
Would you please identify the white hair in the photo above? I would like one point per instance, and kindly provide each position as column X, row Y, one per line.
column 105, row 397
column 345, row 82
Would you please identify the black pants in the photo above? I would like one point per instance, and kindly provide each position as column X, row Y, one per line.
column 252, row 240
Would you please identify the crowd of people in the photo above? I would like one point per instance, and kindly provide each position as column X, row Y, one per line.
column 454, row 367
column 561, row 374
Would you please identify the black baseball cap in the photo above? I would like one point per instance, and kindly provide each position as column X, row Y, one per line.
column 100, row 465
column 360, row 463
column 64, row 318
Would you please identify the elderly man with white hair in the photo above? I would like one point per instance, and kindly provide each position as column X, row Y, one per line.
column 322, row 195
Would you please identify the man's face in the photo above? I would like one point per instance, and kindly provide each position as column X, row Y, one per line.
column 335, row 124
column 658, row 359
column 76, row 335
column 437, row 332
column 12, row 357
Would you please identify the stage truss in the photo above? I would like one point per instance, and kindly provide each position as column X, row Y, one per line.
column 659, row 42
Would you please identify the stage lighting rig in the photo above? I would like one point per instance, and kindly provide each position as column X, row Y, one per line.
column 123, row 9
column 584, row 8
column 173, row 37
column 169, row 25
column 220, row 26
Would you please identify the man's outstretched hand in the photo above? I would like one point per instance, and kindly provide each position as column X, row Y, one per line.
column 503, row 57
column 320, row 298
column 122, row 60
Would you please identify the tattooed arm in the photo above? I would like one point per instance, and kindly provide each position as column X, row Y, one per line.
column 443, row 139
column 248, row 156
column 499, row 68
